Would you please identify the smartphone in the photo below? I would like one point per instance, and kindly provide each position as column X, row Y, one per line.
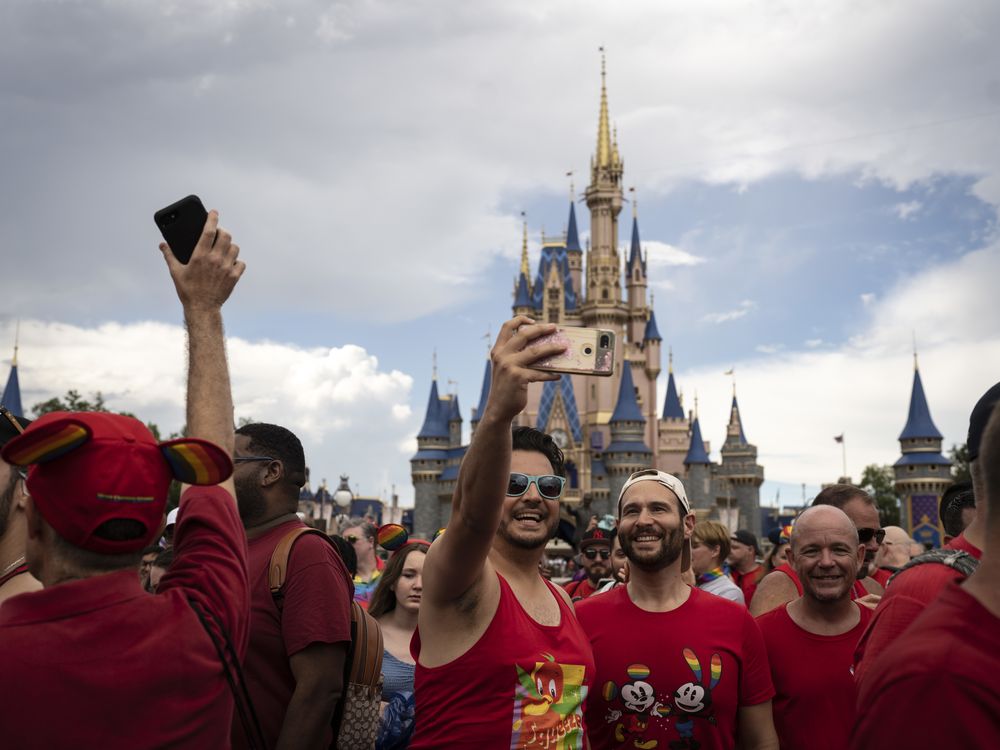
column 181, row 224
column 589, row 351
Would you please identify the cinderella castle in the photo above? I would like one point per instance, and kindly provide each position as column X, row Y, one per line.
column 608, row 427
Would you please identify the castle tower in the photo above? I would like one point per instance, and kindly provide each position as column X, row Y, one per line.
column 739, row 477
column 922, row 473
column 427, row 465
column 454, row 421
column 574, row 253
column 636, row 283
column 698, row 470
column 11, row 399
column 523, row 304
column 652, row 342
column 674, row 435
column 628, row 451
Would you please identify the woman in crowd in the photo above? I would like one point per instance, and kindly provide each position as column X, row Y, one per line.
column 395, row 604
column 709, row 549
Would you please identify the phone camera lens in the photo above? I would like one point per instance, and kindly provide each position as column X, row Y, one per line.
column 605, row 341
column 588, row 350
column 173, row 216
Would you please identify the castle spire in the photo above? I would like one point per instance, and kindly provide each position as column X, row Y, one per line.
column 525, row 268
column 918, row 422
column 696, row 450
column 604, row 148
column 11, row 397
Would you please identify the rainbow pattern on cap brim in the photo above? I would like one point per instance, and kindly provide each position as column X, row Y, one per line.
column 637, row 671
column 391, row 536
column 193, row 463
column 39, row 446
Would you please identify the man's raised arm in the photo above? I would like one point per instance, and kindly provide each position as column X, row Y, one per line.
column 455, row 562
column 203, row 285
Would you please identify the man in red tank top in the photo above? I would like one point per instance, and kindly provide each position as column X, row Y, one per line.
column 501, row 661
column 782, row 584
column 810, row 640
column 678, row 668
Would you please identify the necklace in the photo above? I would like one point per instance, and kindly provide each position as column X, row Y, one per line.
column 13, row 565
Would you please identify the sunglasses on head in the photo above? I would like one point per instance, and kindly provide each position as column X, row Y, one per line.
column 866, row 535
column 592, row 553
column 549, row 485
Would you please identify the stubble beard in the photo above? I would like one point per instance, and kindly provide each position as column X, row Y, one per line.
column 249, row 500
column 523, row 541
column 670, row 549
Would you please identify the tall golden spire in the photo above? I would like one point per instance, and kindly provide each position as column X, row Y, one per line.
column 525, row 268
column 604, row 149
column 635, row 204
column 670, row 359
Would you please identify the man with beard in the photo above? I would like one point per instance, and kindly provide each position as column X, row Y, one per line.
column 744, row 569
column 783, row 584
column 294, row 665
column 811, row 640
column 501, row 660
column 680, row 668
column 595, row 556
column 14, row 576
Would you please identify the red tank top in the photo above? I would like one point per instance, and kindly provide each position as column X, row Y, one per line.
column 522, row 685
column 858, row 590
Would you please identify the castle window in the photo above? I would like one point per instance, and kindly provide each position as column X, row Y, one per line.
column 604, row 293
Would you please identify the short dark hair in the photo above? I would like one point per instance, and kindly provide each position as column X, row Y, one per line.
column 152, row 549
column 165, row 559
column 956, row 498
column 839, row 495
column 989, row 458
column 280, row 443
column 530, row 439
column 384, row 598
column 89, row 562
column 347, row 553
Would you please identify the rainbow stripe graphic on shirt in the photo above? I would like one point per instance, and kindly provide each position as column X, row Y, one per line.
column 548, row 706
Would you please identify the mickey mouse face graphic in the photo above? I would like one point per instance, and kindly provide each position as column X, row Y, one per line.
column 638, row 696
column 690, row 697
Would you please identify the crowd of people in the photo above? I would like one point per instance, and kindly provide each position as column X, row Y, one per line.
column 230, row 623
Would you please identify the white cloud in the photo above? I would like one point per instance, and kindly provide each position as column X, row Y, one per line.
column 813, row 343
column 867, row 299
column 351, row 415
column 907, row 210
column 724, row 317
column 664, row 255
column 769, row 348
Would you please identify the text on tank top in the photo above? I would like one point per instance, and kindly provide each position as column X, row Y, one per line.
column 521, row 685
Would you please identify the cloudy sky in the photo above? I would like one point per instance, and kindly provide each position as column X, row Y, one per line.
column 817, row 185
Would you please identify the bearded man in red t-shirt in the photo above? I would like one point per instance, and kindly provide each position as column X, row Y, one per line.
column 936, row 685
column 810, row 640
column 677, row 667
column 501, row 661
column 782, row 584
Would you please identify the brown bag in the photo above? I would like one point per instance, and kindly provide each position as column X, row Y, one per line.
column 355, row 720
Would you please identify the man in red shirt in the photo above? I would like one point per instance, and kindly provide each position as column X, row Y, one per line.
column 595, row 556
column 78, row 656
column 678, row 667
column 810, row 640
column 501, row 660
column 295, row 661
column 936, row 685
column 744, row 569
column 14, row 576
column 913, row 589
column 782, row 584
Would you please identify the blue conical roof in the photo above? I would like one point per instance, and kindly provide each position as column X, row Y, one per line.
column 627, row 410
column 436, row 419
column 572, row 236
column 484, row 394
column 696, row 451
column 672, row 408
column 12, row 393
column 652, row 332
column 523, row 297
column 454, row 412
column 919, row 423
column 635, row 254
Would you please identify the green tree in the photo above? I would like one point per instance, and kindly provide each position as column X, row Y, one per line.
column 879, row 482
column 959, row 455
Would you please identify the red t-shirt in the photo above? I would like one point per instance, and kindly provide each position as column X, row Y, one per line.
column 814, row 688
column 672, row 677
column 521, row 686
column 98, row 662
column 882, row 576
column 936, row 686
column 579, row 589
column 316, row 608
column 748, row 581
column 903, row 601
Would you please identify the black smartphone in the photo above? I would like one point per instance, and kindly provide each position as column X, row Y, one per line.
column 181, row 224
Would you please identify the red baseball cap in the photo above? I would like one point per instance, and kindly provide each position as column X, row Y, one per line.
column 88, row 468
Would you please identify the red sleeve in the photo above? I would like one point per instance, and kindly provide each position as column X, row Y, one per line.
column 317, row 594
column 210, row 559
column 933, row 709
column 755, row 680
column 904, row 600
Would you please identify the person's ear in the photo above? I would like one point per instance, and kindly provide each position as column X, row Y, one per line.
column 273, row 474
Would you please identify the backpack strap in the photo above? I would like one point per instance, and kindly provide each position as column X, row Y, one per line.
column 958, row 559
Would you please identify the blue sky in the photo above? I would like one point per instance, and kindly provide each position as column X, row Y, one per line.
column 815, row 184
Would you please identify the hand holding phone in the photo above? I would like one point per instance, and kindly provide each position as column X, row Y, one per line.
column 181, row 224
column 589, row 351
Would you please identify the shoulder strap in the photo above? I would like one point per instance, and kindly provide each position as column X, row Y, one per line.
column 960, row 560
